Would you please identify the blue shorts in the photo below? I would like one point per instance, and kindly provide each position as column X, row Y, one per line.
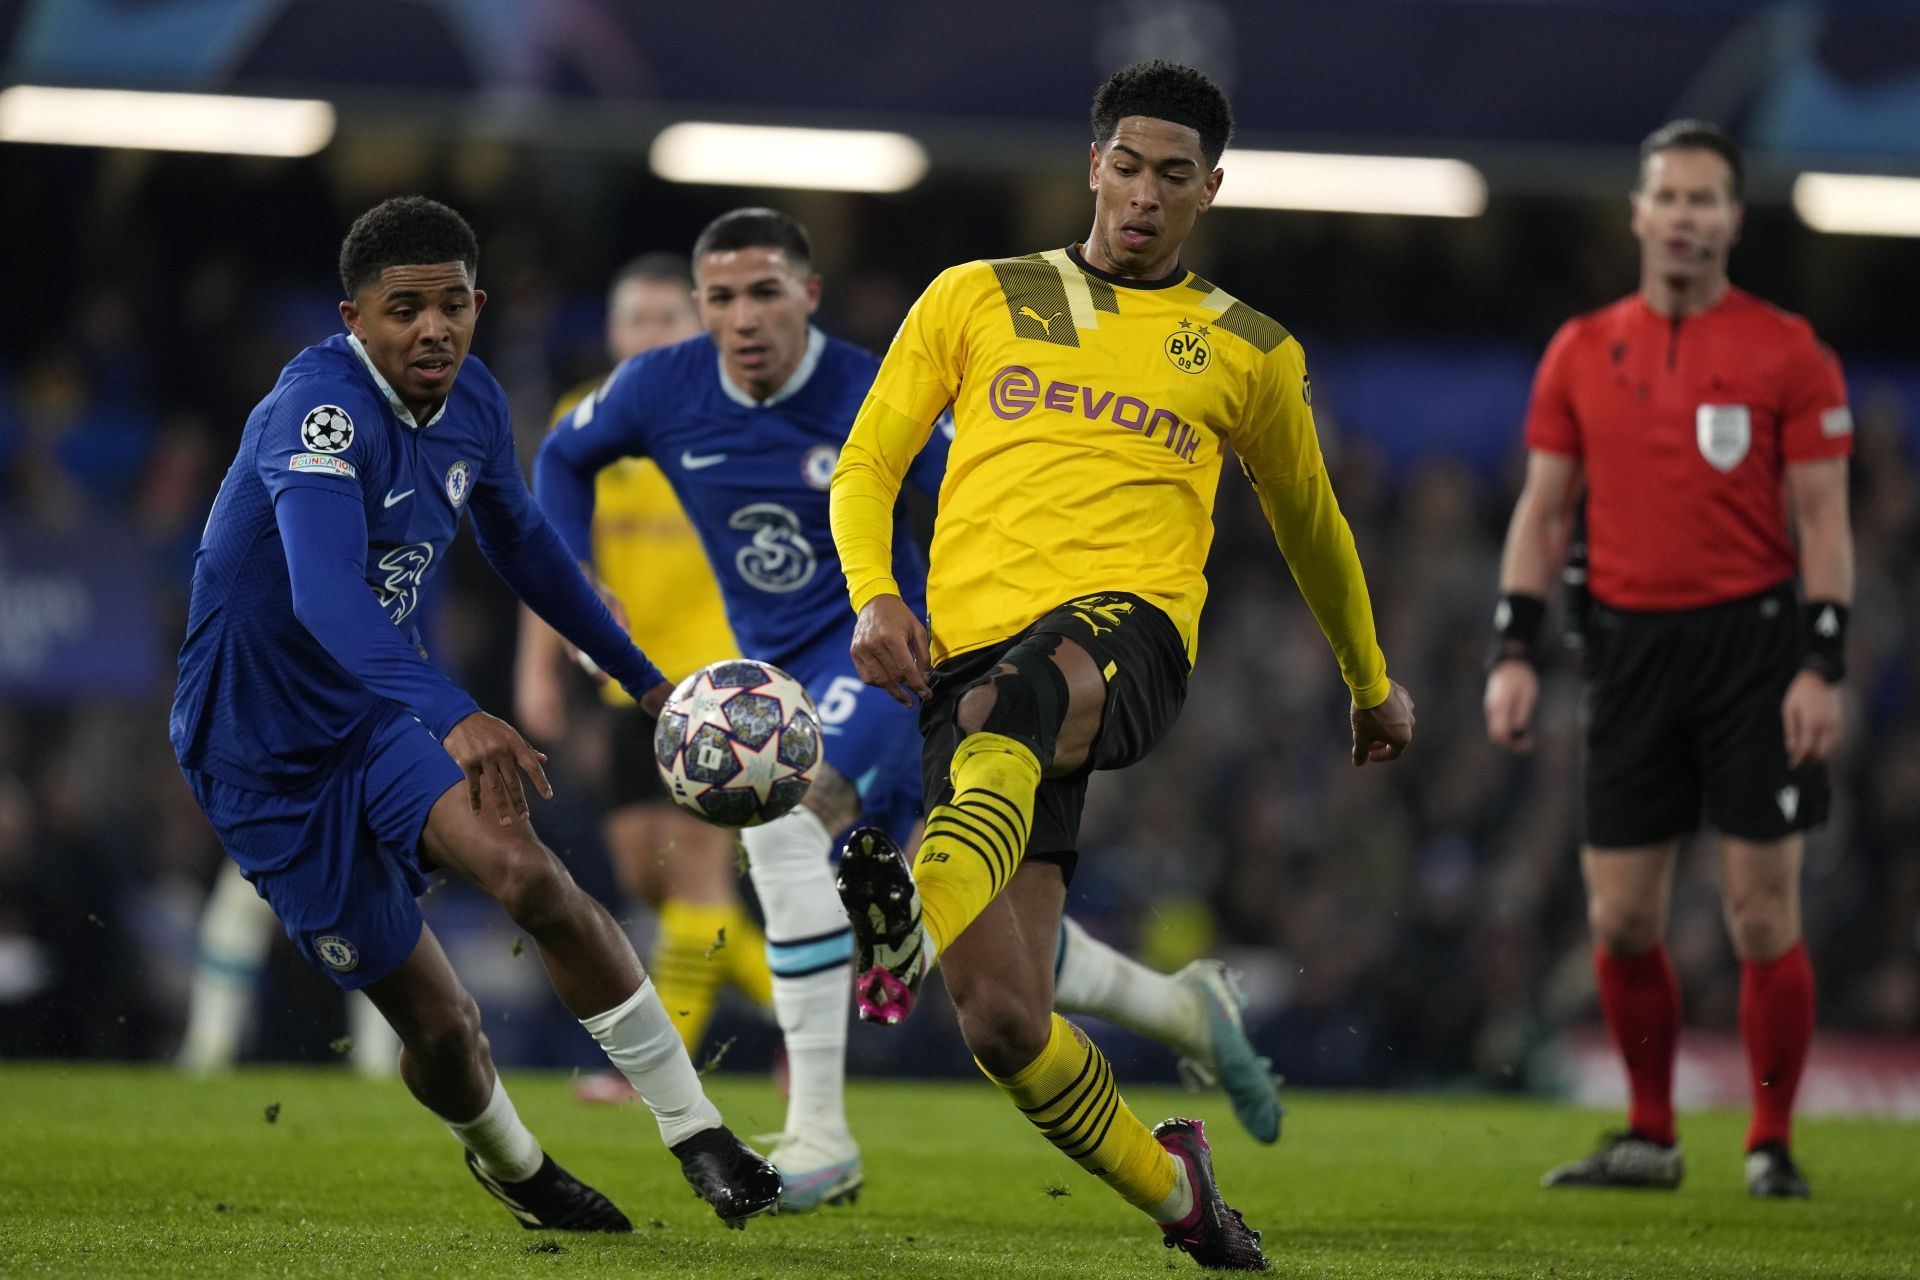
column 873, row 741
column 339, row 859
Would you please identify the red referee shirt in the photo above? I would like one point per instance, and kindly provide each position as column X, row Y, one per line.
column 1685, row 428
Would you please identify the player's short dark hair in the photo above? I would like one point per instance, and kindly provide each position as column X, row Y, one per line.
column 406, row 231
column 1695, row 135
column 1165, row 91
column 756, row 229
column 654, row 268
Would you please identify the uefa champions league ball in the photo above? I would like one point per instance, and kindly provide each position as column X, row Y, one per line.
column 738, row 743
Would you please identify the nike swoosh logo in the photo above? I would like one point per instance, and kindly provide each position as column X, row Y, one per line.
column 393, row 497
column 700, row 461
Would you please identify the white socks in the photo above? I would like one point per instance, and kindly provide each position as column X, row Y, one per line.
column 506, row 1148
column 810, row 950
column 236, row 929
column 1091, row 977
column 376, row 1047
column 1178, row 1206
column 640, row 1040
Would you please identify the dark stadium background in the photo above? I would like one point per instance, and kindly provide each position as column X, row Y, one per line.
column 1420, row 924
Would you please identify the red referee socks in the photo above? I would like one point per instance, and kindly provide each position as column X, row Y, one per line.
column 1776, row 1024
column 1640, row 998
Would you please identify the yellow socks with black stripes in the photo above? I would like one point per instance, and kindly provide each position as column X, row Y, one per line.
column 698, row 948
column 974, row 842
column 1069, row 1094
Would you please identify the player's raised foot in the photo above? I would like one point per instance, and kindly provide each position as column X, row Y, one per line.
column 1625, row 1159
column 1772, row 1174
column 729, row 1175
column 891, row 951
column 1214, row 1234
column 551, row 1200
column 816, row 1169
column 605, row 1087
column 1227, row 1059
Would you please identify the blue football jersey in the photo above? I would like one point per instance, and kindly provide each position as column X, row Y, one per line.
column 260, row 701
column 753, row 478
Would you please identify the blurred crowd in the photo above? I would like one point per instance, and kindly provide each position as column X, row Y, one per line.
column 1421, row 923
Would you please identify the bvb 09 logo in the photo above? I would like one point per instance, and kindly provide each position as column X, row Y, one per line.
column 1187, row 348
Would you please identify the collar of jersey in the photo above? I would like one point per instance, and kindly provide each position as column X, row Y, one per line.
column 400, row 409
column 816, row 343
column 1179, row 275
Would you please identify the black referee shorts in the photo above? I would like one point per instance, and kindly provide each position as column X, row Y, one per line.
column 1145, row 662
column 1681, row 712
column 635, row 773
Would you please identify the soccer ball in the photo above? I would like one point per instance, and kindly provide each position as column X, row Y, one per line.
column 738, row 743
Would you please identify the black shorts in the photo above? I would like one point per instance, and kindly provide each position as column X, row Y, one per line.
column 1145, row 662
column 1681, row 712
column 634, row 773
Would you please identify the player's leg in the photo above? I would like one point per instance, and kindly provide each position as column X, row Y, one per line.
column 588, row 959
column 446, row 1064
column 1195, row 1012
column 1762, row 883
column 685, row 869
column 996, row 724
column 999, row 973
column 236, row 929
column 1641, row 793
column 809, row 952
column 1761, row 808
column 374, row 1048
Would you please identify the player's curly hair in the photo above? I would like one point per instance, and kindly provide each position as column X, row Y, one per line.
column 1694, row 135
column 405, row 231
column 1165, row 91
column 756, row 229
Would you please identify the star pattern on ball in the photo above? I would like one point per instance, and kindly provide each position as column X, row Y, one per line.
column 771, row 768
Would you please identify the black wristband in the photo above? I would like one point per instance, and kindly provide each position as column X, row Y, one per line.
column 1516, row 628
column 1823, row 637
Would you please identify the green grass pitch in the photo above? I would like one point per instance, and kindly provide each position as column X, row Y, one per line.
column 129, row 1171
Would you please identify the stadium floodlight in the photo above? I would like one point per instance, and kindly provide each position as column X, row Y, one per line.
column 1414, row 185
column 738, row 155
column 1858, row 204
column 165, row 121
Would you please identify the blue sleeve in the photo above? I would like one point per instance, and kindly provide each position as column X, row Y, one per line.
column 605, row 427
column 320, row 434
column 930, row 468
column 524, row 549
column 324, row 533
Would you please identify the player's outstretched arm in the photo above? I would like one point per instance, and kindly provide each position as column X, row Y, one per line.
column 1535, row 548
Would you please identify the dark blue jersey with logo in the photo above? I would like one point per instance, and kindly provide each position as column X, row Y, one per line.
column 752, row 476
column 336, row 511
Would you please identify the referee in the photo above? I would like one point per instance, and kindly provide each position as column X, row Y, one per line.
column 1712, row 432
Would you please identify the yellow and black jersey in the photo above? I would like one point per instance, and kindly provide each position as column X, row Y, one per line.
column 1091, row 415
column 646, row 551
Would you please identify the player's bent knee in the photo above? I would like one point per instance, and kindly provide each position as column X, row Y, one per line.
column 1025, row 697
column 1002, row 1032
column 1624, row 930
column 446, row 1036
column 534, row 888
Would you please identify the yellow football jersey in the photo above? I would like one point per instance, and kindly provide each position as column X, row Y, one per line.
column 1091, row 415
column 646, row 551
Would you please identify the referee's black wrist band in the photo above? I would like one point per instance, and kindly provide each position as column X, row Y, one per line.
column 1517, row 620
column 1823, row 636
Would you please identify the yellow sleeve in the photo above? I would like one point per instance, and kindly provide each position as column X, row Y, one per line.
column 916, row 382
column 1280, row 452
